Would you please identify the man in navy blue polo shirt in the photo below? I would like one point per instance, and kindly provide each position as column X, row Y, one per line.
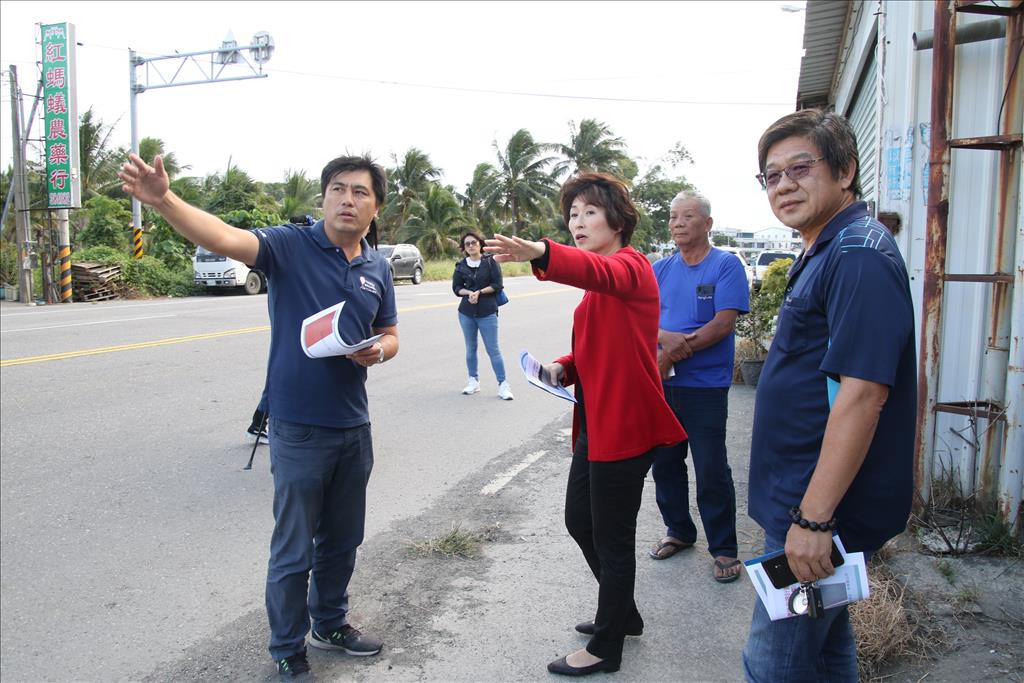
column 321, row 452
column 833, row 438
column 703, row 290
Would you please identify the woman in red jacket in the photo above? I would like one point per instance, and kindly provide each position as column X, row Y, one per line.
column 624, row 417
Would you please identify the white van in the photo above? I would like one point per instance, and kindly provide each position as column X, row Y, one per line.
column 213, row 271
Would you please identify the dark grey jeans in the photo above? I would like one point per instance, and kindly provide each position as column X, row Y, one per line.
column 320, row 477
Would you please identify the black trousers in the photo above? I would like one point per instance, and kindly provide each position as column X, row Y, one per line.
column 602, row 500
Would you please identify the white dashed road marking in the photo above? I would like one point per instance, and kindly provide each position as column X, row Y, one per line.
column 505, row 477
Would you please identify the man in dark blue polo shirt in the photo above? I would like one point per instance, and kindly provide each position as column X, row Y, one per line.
column 834, row 417
column 321, row 452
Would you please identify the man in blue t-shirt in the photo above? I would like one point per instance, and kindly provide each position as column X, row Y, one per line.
column 703, row 290
column 834, row 419
column 321, row 452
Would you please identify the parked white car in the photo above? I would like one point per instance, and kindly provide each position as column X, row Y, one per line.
column 736, row 252
column 761, row 263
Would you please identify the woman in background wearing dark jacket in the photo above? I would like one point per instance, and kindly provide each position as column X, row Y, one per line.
column 624, row 417
column 477, row 279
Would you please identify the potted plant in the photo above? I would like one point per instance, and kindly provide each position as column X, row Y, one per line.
column 758, row 326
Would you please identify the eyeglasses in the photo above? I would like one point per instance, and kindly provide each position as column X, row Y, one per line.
column 469, row 243
column 795, row 172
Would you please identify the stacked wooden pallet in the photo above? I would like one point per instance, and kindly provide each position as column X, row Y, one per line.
column 94, row 282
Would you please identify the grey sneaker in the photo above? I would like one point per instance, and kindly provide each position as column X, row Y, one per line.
column 346, row 638
column 294, row 668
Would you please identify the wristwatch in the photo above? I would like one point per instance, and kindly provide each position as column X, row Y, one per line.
column 380, row 358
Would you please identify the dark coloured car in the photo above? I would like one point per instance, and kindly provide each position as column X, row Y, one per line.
column 406, row 261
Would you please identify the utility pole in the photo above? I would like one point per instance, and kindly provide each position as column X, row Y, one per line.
column 260, row 49
column 21, row 203
column 64, row 243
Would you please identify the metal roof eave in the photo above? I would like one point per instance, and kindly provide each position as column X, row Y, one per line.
column 824, row 27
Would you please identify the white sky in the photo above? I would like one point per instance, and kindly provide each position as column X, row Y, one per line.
column 731, row 68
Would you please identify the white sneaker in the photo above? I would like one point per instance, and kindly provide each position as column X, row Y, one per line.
column 505, row 392
column 472, row 386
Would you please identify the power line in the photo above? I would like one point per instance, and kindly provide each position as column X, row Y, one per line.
column 490, row 91
column 520, row 93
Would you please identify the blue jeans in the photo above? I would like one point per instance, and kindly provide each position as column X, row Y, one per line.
column 703, row 413
column 320, row 477
column 800, row 648
column 488, row 328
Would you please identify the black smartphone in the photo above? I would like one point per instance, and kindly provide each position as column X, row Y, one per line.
column 777, row 567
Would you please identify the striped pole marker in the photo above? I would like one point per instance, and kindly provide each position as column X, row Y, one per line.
column 137, row 240
column 65, row 274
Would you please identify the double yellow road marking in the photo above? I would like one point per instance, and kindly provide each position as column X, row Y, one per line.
column 128, row 347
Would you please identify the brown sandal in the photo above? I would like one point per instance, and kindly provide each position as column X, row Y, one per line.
column 723, row 567
column 673, row 547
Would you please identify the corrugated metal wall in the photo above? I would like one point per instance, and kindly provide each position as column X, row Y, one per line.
column 863, row 116
column 903, row 154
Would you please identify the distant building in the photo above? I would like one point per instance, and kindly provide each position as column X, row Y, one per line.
column 750, row 242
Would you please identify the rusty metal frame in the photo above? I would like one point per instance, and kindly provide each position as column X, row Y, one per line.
column 944, row 28
column 1003, row 366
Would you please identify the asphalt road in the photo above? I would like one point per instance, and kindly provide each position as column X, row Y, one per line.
column 130, row 531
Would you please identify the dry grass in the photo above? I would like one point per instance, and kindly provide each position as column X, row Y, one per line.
column 890, row 625
column 745, row 350
column 456, row 543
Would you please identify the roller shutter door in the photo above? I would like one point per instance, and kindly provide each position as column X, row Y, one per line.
column 863, row 116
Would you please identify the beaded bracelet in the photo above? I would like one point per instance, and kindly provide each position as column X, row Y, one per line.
column 797, row 517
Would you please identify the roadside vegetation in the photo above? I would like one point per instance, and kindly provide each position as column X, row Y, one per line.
column 514, row 193
column 891, row 624
column 457, row 543
column 443, row 269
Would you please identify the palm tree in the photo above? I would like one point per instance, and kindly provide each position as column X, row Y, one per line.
column 434, row 222
column 232, row 191
column 411, row 177
column 300, row 194
column 474, row 199
column 522, row 184
column 592, row 147
column 150, row 147
column 97, row 161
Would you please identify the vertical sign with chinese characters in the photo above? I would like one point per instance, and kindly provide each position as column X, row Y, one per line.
column 60, row 122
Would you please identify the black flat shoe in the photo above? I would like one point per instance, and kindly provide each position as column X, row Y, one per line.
column 563, row 668
column 587, row 628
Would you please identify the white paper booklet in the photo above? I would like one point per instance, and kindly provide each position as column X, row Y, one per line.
column 320, row 338
column 848, row 584
column 534, row 375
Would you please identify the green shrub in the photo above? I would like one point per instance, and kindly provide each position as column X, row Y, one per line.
column 103, row 255
column 8, row 263
column 107, row 223
column 167, row 245
column 149, row 275
column 758, row 325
